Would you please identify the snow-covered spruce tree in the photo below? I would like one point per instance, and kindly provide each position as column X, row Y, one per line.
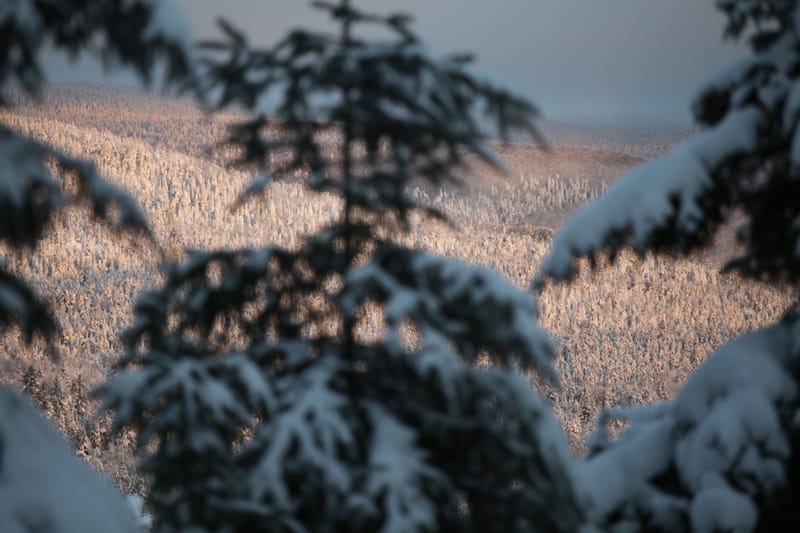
column 725, row 454
column 42, row 486
column 260, row 402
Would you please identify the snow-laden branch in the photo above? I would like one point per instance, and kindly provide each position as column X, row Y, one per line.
column 723, row 444
column 470, row 306
column 663, row 195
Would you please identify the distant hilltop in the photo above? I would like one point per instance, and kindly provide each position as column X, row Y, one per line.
column 638, row 139
column 642, row 140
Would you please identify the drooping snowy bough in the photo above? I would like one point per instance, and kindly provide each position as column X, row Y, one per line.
column 724, row 455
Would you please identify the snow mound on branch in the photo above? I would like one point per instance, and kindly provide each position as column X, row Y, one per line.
column 723, row 440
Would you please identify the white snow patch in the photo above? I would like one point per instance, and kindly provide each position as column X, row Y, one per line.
column 397, row 473
column 136, row 504
column 43, row 486
column 620, row 472
column 722, row 509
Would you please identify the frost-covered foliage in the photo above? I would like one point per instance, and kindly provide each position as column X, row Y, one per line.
column 262, row 399
column 35, row 180
column 42, row 486
column 748, row 158
column 724, row 455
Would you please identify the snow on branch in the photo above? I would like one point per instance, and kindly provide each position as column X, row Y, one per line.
column 473, row 307
column 398, row 473
column 712, row 458
column 195, row 393
column 663, row 195
column 309, row 430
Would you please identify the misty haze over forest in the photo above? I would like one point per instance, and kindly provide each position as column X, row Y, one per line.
column 598, row 61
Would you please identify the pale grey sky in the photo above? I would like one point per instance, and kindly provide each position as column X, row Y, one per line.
column 577, row 60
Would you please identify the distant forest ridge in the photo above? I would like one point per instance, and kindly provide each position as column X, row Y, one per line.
column 637, row 139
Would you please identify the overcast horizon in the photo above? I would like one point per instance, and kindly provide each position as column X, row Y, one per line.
column 598, row 61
